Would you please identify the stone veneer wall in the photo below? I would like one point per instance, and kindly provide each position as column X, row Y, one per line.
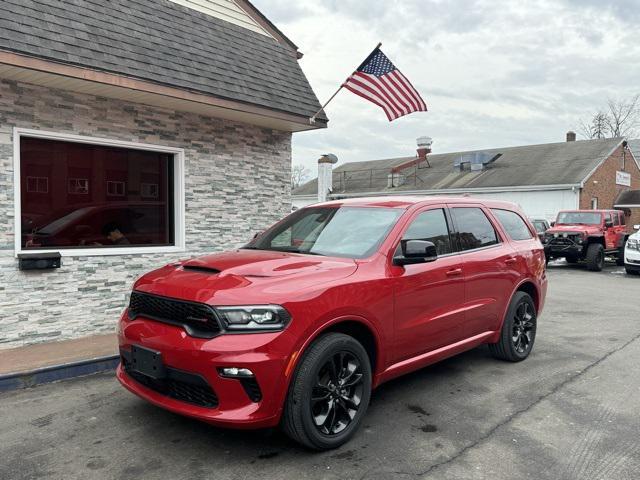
column 237, row 181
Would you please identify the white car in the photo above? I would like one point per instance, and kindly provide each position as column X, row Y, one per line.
column 632, row 252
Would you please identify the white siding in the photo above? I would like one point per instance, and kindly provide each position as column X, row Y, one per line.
column 226, row 10
column 539, row 204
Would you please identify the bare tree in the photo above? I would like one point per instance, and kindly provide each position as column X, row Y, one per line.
column 621, row 119
column 597, row 126
column 299, row 175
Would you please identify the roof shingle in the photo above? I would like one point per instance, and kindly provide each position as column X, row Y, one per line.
column 161, row 42
column 531, row 165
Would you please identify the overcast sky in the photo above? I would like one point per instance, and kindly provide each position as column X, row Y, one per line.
column 493, row 73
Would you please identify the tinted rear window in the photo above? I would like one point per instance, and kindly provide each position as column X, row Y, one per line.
column 474, row 228
column 513, row 224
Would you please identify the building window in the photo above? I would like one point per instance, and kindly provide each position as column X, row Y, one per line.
column 37, row 184
column 594, row 203
column 121, row 209
column 115, row 188
column 78, row 186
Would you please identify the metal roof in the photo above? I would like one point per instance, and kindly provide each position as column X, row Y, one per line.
column 565, row 163
column 164, row 43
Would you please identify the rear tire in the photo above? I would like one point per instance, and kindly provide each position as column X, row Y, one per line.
column 595, row 257
column 329, row 393
column 620, row 257
column 518, row 330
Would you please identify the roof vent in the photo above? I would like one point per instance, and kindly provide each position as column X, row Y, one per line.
column 474, row 161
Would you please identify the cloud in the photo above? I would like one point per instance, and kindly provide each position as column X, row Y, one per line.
column 493, row 72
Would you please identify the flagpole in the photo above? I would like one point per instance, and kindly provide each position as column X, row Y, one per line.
column 312, row 119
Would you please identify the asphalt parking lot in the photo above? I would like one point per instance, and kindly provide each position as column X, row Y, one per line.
column 569, row 412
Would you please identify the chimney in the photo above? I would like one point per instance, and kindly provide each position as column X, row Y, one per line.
column 571, row 136
column 325, row 175
column 424, row 147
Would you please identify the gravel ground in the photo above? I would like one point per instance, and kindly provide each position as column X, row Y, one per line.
column 569, row 412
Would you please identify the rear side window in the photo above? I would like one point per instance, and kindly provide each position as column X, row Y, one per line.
column 431, row 226
column 616, row 218
column 513, row 224
column 474, row 230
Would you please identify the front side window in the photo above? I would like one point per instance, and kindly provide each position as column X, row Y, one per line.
column 76, row 195
column 474, row 230
column 579, row 218
column 352, row 232
column 431, row 226
column 513, row 224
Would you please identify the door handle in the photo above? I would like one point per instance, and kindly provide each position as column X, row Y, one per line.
column 510, row 261
column 455, row 271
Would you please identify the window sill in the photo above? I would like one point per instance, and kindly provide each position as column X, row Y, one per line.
column 100, row 252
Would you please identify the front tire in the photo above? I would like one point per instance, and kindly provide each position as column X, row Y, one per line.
column 329, row 393
column 631, row 271
column 595, row 257
column 518, row 330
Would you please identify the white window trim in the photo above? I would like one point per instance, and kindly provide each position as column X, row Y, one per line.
column 178, row 192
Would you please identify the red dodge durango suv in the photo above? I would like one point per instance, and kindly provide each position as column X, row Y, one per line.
column 297, row 327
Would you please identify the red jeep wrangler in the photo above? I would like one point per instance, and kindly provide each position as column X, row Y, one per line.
column 587, row 235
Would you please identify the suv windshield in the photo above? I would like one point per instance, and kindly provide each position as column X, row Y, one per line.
column 573, row 218
column 352, row 232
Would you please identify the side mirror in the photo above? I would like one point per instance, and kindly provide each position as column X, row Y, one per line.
column 636, row 227
column 416, row 251
column 608, row 223
column 553, row 224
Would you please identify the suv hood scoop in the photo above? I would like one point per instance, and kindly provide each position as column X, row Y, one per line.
column 201, row 268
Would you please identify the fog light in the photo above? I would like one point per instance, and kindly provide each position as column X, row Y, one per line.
column 234, row 372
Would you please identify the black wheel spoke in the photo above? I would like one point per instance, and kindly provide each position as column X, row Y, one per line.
column 354, row 379
column 336, row 395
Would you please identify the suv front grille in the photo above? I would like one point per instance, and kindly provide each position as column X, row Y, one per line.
column 183, row 386
column 198, row 319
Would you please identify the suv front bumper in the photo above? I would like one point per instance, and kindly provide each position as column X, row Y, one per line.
column 558, row 249
column 191, row 382
column 632, row 259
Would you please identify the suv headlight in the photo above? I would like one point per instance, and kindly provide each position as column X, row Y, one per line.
column 254, row 317
column 633, row 244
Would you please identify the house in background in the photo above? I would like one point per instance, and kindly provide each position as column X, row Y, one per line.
column 134, row 133
column 629, row 200
column 542, row 179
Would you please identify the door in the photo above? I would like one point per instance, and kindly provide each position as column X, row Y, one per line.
column 428, row 297
column 610, row 232
column 490, row 266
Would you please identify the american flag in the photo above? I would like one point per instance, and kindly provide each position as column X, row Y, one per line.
column 380, row 82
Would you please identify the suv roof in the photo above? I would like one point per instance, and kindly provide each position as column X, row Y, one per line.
column 409, row 201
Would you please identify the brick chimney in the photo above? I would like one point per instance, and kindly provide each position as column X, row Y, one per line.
column 571, row 136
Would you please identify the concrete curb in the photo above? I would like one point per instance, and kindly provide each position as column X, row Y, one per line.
column 53, row 373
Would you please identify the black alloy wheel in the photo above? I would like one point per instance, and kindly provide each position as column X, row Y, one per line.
column 518, row 332
column 329, row 392
column 337, row 394
column 523, row 328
